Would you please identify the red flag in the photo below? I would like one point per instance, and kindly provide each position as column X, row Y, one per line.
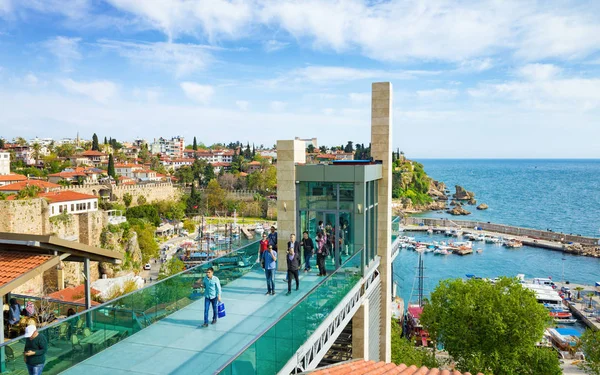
column 195, row 207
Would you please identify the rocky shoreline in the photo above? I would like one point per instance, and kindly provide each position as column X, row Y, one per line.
column 440, row 196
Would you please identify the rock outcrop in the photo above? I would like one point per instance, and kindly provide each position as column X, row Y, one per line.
column 125, row 242
column 482, row 206
column 462, row 194
column 436, row 190
column 472, row 201
column 458, row 210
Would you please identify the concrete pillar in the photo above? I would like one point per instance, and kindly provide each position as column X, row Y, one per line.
column 360, row 333
column 381, row 149
column 288, row 154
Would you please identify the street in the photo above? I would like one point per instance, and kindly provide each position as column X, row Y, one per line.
column 155, row 263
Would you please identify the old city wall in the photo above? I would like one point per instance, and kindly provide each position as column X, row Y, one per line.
column 24, row 216
column 150, row 192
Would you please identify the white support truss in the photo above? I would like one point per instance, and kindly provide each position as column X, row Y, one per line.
column 310, row 354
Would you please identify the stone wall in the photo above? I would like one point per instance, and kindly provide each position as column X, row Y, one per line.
column 24, row 216
column 151, row 192
column 505, row 229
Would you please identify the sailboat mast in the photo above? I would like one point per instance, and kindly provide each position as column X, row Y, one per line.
column 420, row 279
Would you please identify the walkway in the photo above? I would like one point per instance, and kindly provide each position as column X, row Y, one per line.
column 178, row 345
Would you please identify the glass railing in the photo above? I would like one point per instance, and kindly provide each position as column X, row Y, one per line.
column 75, row 339
column 395, row 228
column 274, row 347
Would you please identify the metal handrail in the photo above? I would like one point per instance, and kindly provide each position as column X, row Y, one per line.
column 104, row 305
column 239, row 353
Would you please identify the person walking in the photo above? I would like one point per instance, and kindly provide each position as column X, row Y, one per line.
column 321, row 254
column 293, row 265
column 270, row 259
column 295, row 245
column 273, row 238
column 35, row 350
column 262, row 247
column 309, row 250
column 212, row 294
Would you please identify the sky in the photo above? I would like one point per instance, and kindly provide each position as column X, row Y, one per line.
column 471, row 79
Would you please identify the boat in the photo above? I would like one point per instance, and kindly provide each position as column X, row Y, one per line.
column 513, row 244
column 481, row 237
column 479, row 251
column 430, row 231
column 412, row 324
column 441, row 252
column 259, row 229
column 448, row 233
column 564, row 338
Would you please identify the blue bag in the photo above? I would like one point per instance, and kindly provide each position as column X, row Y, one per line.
column 221, row 310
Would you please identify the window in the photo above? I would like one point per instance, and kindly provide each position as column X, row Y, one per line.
column 60, row 209
column 95, row 204
column 52, row 210
column 72, row 207
column 88, row 205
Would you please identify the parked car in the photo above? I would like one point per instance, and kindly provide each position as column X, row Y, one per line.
column 147, row 267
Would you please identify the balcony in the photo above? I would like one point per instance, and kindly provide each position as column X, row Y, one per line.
column 158, row 330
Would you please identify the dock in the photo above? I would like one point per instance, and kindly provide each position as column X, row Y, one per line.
column 578, row 308
column 463, row 251
column 247, row 233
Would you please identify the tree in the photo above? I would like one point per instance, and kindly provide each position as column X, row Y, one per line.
column 21, row 141
column 29, row 191
column 323, row 149
column 349, row 147
column 590, row 344
column 185, row 175
column 172, row 267
column 127, row 198
column 208, row 174
column 148, row 213
column 310, row 149
column 490, row 328
column 194, row 201
column 37, row 148
column 215, row 196
column 189, row 226
column 579, row 289
column 248, row 152
column 145, row 232
column 65, row 150
column 105, row 141
column 1, row 143
column 141, row 200
column 95, row 145
column 111, row 167
column 405, row 351
column 195, row 145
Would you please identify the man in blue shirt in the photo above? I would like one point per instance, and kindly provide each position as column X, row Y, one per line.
column 273, row 238
column 212, row 294
column 270, row 258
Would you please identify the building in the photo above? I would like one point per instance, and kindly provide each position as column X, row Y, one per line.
column 128, row 170
column 177, row 163
column 4, row 163
column 254, row 166
column 308, row 141
column 70, row 202
column 221, row 165
column 90, row 157
column 18, row 186
column 271, row 153
column 11, row 178
column 77, row 175
column 210, row 156
column 172, row 147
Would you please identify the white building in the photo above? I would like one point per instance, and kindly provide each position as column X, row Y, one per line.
column 128, row 170
column 172, row 147
column 70, row 202
column 308, row 141
column 4, row 163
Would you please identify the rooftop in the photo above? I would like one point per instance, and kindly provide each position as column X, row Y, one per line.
column 361, row 367
column 14, row 265
column 17, row 186
column 12, row 177
column 65, row 196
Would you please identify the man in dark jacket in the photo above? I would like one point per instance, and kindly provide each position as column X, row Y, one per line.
column 293, row 265
column 309, row 249
column 35, row 350
column 293, row 244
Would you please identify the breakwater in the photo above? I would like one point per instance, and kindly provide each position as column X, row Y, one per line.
column 503, row 229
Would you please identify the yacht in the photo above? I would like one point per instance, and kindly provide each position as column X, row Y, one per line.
column 259, row 229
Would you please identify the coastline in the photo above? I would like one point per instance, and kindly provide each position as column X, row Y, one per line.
column 569, row 244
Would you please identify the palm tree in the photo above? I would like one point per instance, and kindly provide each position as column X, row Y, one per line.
column 36, row 151
column 579, row 289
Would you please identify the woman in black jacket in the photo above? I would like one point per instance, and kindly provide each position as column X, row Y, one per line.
column 309, row 250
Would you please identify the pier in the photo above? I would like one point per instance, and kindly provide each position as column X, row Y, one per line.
column 578, row 308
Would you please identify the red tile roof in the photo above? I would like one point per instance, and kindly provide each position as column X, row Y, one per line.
column 254, row 163
column 12, row 177
column 325, row 156
column 74, row 294
column 17, row 186
column 93, row 153
column 13, row 265
column 67, row 174
column 361, row 367
column 65, row 196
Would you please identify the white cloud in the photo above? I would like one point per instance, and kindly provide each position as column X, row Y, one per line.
column 150, row 95
column 545, row 93
column 274, row 45
column 278, row 106
column 198, row 93
column 179, row 59
column 65, row 49
column 437, row 94
column 328, row 111
column 363, row 97
column 538, row 72
column 214, row 19
column 100, row 91
column 242, row 104
column 476, row 65
column 31, row 79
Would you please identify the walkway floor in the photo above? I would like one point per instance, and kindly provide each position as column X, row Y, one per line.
column 178, row 345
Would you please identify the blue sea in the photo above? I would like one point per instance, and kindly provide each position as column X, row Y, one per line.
column 563, row 195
